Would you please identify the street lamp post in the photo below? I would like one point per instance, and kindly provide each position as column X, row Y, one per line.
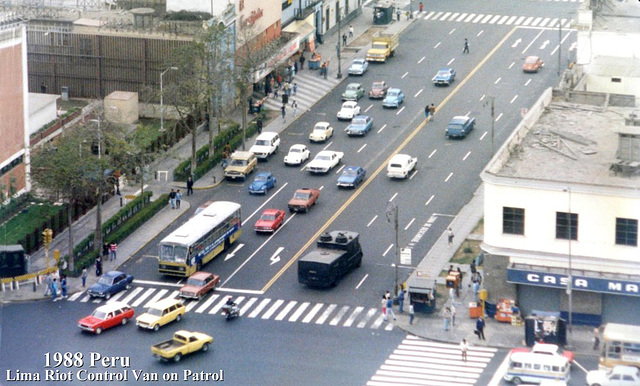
column 570, row 281
column 560, row 44
column 493, row 120
column 392, row 217
column 162, row 97
column 339, row 75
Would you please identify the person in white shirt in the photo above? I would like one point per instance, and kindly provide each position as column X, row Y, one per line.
column 464, row 347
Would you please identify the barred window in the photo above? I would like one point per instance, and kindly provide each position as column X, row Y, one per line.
column 513, row 221
column 566, row 226
column 626, row 232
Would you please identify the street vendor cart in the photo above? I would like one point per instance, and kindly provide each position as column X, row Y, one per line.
column 314, row 62
column 422, row 292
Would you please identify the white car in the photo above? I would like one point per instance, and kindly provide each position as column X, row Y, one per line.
column 321, row 132
column 358, row 67
column 401, row 165
column 325, row 161
column 298, row 154
column 617, row 376
column 266, row 144
column 349, row 110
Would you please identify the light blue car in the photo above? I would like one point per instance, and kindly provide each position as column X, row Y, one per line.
column 351, row 177
column 394, row 98
column 360, row 126
column 262, row 183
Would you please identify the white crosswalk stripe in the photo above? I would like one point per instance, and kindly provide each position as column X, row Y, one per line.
column 310, row 88
column 255, row 307
column 419, row 362
column 531, row 21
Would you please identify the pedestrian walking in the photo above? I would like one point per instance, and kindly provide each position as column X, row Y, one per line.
column 189, row 186
column 105, row 250
column 480, row 328
column 112, row 251
column 401, row 301
column 476, row 290
column 350, row 31
column 472, row 267
column 596, row 338
column 344, row 40
column 302, row 61
column 98, row 266
column 390, row 308
column 450, row 236
column 275, row 93
column 427, row 110
column 54, row 290
column 295, row 88
column 447, row 318
column 294, row 105
column 172, row 199
column 284, row 112
column 178, row 199
column 387, row 295
column 294, row 69
column 259, row 124
column 459, row 281
column 412, row 313
column 453, row 314
column 63, row 286
column 47, row 284
column 384, row 307
column 464, row 347
column 421, row 6
column 397, row 14
column 432, row 111
column 465, row 50
column 84, row 277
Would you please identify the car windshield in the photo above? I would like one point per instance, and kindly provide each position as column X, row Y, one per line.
column 392, row 93
column 379, row 46
column 195, row 282
column 352, row 88
column 358, row 62
column 377, row 86
column 268, row 217
column 320, row 128
column 359, row 121
column 295, row 150
column 262, row 142
column 456, row 126
column 99, row 314
column 350, row 173
column 261, row 178
column 105, row 280
column 323, row 158
column 238, row 162
column 531, row 60
column 443, row 73
column 154, row 312
column 301, row 196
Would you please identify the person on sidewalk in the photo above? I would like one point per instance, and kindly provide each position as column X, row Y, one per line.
column 105, row 250
column 397, row 14
column 350, row 31
column 432, row 111
column 63, row 286
column 302, row 61
column 112, row 251
column 412, row 313
column 387, row 295
column 283, row 110
column 450, row 236
column 384, row 307
column 453, row 314
column 480, row 328
column 447, row 318
column 294, row 105
column 596, row 338
column 390, row 308
column 401, row 301
column 452, row 294
column 178, row 199
column 47, row 284
column 172, row 199
column 54, row 290
column 476, row 290
column 460, row 281
column 84, row 277
column 421, row 6
column 99, row 266
column 189, row 186
column 465, row 50
column 344, row 40
column 464, row 347
column 295, row 88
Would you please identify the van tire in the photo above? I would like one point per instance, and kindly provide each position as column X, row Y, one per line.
column 178, row 318
column 516, row 381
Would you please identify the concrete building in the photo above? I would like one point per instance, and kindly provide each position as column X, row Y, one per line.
column 14, row 107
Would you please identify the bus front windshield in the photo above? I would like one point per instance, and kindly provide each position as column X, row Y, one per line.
column 173, row 253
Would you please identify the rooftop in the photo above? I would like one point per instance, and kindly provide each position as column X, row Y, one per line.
column 618, row 16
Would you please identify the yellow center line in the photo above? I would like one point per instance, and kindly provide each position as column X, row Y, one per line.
column 379, row 170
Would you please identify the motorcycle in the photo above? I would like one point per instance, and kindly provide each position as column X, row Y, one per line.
column 231, row 311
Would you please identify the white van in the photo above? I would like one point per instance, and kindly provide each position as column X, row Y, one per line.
column 266, row 144
column 536, row 368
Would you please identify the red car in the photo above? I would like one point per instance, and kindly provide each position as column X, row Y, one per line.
column 199, row 284
column 303, row 199
column 107, row 316
column 378, row 90
column 269, row 221
column 532, row 64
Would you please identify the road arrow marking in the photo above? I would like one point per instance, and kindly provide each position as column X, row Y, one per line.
column 230, row 255
column 573, row 46
column 275, row 258
column 516, row 43
column 544, row 45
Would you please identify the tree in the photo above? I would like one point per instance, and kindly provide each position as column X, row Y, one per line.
column 131, row 153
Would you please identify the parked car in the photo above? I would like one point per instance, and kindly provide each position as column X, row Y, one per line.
column 394, row 98
column 110, row 284
column 160, row 313
column 262, row 182
column 360, row 125
column 378, row 90
column 617, row 376
column 303, row 199
column 106, row 316
column 325, row 161
column 401, row 165
column 358, row 67
column 532, row 64
column 267, row 144
column 241, row 164
column 460, row 126
column 353, row 92
column 321, row 132
column 270, row 220
column 198, row 285
column 351, row 176
column 298, row 154
column 348, row 111
column 444, row 77
column 182, row 343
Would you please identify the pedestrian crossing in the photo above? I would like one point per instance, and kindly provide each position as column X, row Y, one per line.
column 420, row 362
column 524, row 21
column 254, row 307
column 310, row 88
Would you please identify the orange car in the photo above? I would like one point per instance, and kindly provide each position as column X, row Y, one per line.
column 199, row 284
column 303, row 199
column 532, row 64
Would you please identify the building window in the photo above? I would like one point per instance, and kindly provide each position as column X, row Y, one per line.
column 626, row 232
column 566, row 226
column 513, row 221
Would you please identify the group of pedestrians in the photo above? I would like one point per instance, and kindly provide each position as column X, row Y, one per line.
column 109, row 251
column 55, row 286
column 387, row 305
column 175, row 197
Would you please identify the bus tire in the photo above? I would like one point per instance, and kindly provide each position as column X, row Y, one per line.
column 516, row 381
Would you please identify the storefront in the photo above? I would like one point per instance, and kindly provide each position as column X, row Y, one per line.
column 306, row 32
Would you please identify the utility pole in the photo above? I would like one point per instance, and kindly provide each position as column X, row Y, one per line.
column 392, row 217
column 570, row 281
column 491, row 101
column 339, row 14
column 560, row 44
column 162, row 97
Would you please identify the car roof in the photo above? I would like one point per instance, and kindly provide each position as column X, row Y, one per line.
column 326, row 124
column 113, row 273
column 538, row 358
column 459, row 119
column 350, row 103
column 242, row 154
column 271, row 211
column 361, row 117
column 298, row 146
column 379, row 82
column 447, row 69
column 400, row 157
column 200, row 275
column 546, row 348
column 352, row 168
column 164, row 303
column 532, row 57
column 266, row 174
column 112, row 306
column 622, row 369
column 359, row 60
column 267, row 135
column 394, row 89
column 326, row 152
column 354, row 84
column 305, row 189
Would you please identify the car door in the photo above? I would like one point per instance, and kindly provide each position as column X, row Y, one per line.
column 117, row 317
column 208, row 285
column 360, row 92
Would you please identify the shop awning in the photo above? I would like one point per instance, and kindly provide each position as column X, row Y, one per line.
column 302, row 28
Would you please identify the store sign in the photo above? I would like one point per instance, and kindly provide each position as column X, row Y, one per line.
column 580, row 283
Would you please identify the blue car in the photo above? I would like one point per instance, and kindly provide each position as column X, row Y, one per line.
column 394, row 98
column 262, row 183
column 460, row 126
column 445, row 76
column 360, row 125
column 110, row 284
column 351, row 176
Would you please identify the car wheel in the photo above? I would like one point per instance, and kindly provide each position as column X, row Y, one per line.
column 177, row 357
column 178, row 318
column 128, row 286
column 199, row 297
column 205, row 347
column 124, row 321
column 156, row 327
column 516, row 381
column 107, row 296
column 98, row 330
column 290, row 210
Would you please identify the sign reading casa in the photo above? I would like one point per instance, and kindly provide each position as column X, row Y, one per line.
column 582, row 283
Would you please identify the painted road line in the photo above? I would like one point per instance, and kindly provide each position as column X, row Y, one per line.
column 299, row 311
